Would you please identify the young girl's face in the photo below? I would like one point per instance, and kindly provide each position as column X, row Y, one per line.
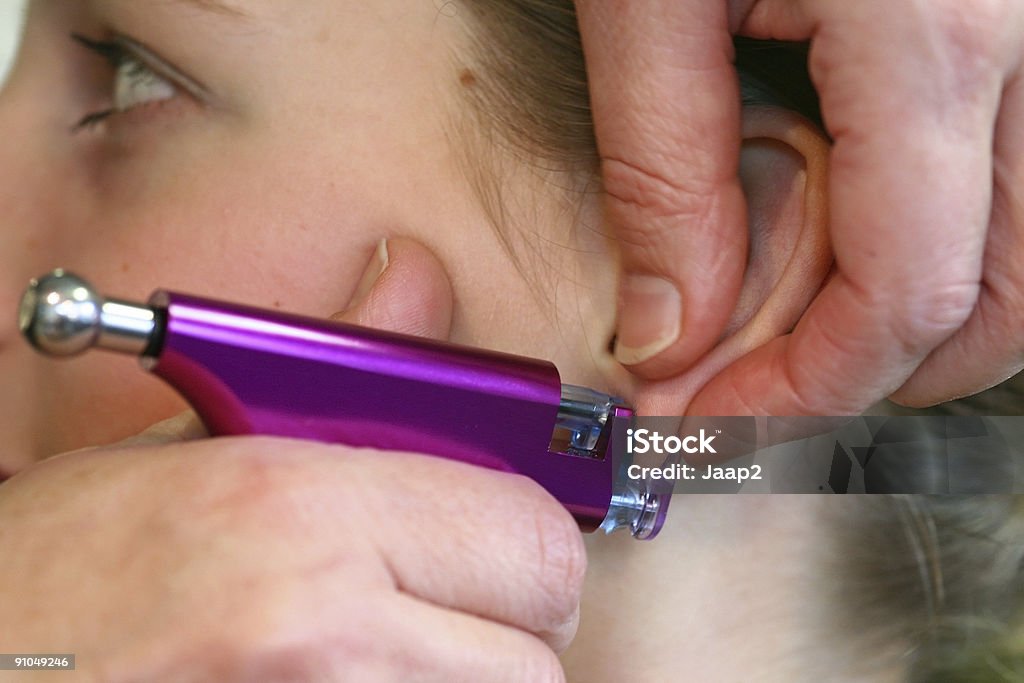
column 261, row 151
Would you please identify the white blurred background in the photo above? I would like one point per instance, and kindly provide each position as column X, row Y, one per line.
column 10, row 24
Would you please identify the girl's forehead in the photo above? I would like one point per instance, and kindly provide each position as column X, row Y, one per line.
column 335, row 24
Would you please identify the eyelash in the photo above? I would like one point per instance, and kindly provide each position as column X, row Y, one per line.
column 122, row 54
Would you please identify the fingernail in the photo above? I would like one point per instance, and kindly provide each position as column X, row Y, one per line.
column 184, row 427
column 372, row 273
column 650, row 310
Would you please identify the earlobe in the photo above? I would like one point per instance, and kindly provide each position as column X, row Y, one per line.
column 784, row 172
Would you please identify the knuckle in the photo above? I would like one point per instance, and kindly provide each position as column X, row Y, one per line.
column 365, row 646
column 1003, row 287
column 632, row 188
column 252, row 482
column 560, row 565
column 1000, row 320
column 813, row 392
column 930, row 315
column 255, row 481
column 543, row 667
column 970, row 32
column 923, row 311
column 272, row 636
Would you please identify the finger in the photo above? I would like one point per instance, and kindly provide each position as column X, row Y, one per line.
column 404, row 289
column 390, row 637
column 459, row 536
column 990, row 347
column 666, row 115
column 435, row 644
column 521, row 559
column 908, row 230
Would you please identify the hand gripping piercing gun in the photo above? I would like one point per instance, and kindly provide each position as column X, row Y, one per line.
column 251, row 371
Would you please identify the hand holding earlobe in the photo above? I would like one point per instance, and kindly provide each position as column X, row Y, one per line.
column 923, row 102
column 784, row 173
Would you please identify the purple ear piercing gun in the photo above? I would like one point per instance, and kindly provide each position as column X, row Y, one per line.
column 251, row 371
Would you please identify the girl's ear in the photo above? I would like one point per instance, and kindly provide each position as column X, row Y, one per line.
column 784, row 172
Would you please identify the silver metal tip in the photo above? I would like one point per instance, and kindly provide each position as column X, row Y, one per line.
column 60, row 314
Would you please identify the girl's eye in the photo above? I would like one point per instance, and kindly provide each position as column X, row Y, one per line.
column 135, row 82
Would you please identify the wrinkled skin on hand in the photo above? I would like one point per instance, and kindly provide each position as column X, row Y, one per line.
column 923, row 102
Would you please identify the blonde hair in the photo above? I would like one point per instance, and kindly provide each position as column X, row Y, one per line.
column 933, row 580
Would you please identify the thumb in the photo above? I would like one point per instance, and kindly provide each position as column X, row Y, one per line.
column 404, row 289
column 667, row 120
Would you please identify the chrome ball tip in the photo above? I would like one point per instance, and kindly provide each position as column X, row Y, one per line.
column 60, row 314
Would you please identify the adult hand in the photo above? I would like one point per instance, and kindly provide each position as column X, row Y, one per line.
column 255, row 558
column 924, row 103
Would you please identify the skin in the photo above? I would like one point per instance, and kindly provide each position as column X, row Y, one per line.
column 934, row 86
column 157, row 196
column 252, row 562
column 275, row 188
